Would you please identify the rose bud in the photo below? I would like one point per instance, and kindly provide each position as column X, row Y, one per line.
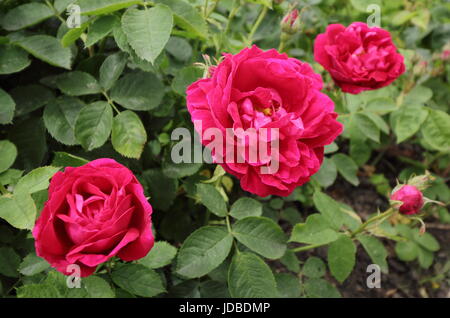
column 93, row 213
column 291, row 22
column 410, row 199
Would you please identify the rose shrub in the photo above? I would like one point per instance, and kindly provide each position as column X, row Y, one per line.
column 358, row 57
column 266, row 89
column 94, row 212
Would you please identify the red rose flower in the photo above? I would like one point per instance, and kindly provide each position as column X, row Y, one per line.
column 94, row 212
column 265, row 89
column 358, row 57
column 411, row 197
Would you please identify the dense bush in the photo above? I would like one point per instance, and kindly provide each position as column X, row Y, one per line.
column 115, row 87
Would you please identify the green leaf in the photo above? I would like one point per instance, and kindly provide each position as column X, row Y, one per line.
column 178, row 170
column 426, row 240
column 314, row 267
column 97, row 287
column 327, row 173
column 179, row 48
column 436, row 130
column 30, row 140
column 316, row 230
column 407, row 121
column 367, row 126
column 161, row 188
column 288, row 285
column 425, row 257
column 291, row 261
column 111, row 69
column 74, row 34
column 36, row 180
column 93, row 125
column 185, row 77
column 78, row 83
column 376, row 250
column 148, row 30
column 64, row 159
column 203, row 251
column 12, row 60
column 7, row 107
column 60, row 116
column 320, row 288
column 261, row 235
column 187, row 17
column 347, row 168
column 360, row 150
column 128, row 135
column 26, row 15
column 18, row 210
column 32, row 265
column 406, row 251
column 381, row 105
column 37, row 291
column 98, row 7
column 24, row 104
column 160, row 255
column 138, row 280
column 213, row 289
column 10, row 176
column 329, row 208
column 100, row 28
column 9, row 262
column 212, row 199
column 245, row 207
column 418, row 95
column 379, row 122
column 341, row 257
column 47, row 49
column 138, row 91
column 250, row 277
column 8, row 154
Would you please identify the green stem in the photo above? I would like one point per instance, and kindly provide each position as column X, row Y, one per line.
column 55, row 11
column 307, row 247
column 205, row 9
column 234, row 10
column 261, row 16
column 379, row 217
column 110, row 102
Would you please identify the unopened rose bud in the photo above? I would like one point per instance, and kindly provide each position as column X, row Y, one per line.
column 409, row 199
column 291, row 22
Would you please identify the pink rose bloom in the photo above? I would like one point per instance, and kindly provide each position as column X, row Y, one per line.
column 94, row 212
column 358, row 57
column 411, row 197
column 265, row 89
